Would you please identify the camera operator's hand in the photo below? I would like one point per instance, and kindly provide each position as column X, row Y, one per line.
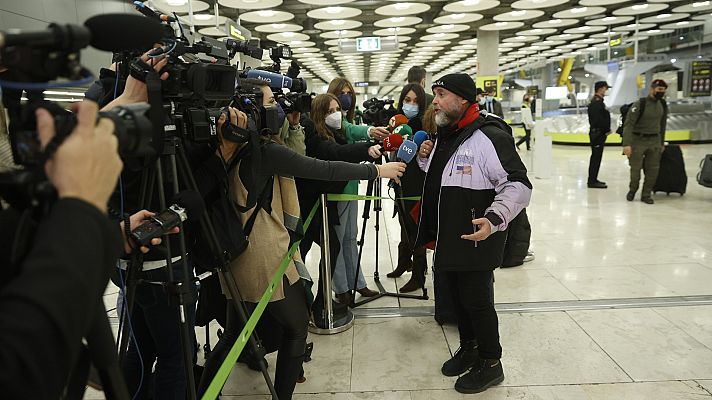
column 378, row 132
column 87, row 164
column 135, row 91
column 294, row 118
column 227, row 148
column 375, row 151
column 135, row 221
column 425, row 148
column 391, row 170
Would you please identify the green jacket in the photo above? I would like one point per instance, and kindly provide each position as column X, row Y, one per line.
column 652, row 122
column 293, row 138
column 354, row 133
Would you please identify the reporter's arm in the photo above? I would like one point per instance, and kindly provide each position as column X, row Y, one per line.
column 47, row 309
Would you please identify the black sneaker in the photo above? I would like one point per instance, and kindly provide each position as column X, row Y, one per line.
column 597, row 185
column 630, row 196
column 647, row 200
column 481, row 377
column 465, row 357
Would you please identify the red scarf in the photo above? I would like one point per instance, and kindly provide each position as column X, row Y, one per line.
column 470, row 116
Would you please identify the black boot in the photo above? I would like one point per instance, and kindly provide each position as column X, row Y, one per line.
column 487, row 373
column 465, row 357
column 400, row 270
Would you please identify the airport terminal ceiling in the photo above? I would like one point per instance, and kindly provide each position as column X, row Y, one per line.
column 441, row 35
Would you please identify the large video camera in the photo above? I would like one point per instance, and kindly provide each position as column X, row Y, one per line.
column 375, row 112
column 34, row 58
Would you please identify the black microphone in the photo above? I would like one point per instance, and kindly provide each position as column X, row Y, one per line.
column 101, row 31
column 187, row 203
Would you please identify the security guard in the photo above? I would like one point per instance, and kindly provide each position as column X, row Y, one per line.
column 643, row 139
column 599, row 120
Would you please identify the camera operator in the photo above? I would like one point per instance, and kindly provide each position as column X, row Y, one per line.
column 292, row 132
column 47, row 308
column 412, row 104
column 275, row 228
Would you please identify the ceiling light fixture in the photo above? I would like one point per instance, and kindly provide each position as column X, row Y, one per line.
column 402, row 6
column 518, row 13
column 470, row 2
column 608, row 19
column 501, row 24
column 640, row 6
column 397, row 19
column 203, row 17
column 337, row 22
column 266, row 13
column 579, row 10
column 663, row 15
column 176, row 2
column 700, row 4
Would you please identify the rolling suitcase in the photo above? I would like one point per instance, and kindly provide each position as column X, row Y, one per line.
column 672, row 176
column 704, row 177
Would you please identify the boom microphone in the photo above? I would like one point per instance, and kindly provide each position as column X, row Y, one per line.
column 100, row 31
column 277, row 81
column 187, row 203
column 420, row 137
column 392, row 142
column 396, row 121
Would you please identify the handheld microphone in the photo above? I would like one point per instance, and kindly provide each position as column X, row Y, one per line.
column 403, row 130
column 407, row 151
column 277, row 81
column 187, row 203
column 392, row 142
column 396, row 121
column 420, row 137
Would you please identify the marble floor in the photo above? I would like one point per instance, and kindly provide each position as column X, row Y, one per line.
column 590, row 246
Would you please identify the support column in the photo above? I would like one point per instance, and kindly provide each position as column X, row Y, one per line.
column 487, row 53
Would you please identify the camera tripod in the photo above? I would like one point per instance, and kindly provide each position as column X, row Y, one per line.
column 374, row 189
column 174, row 156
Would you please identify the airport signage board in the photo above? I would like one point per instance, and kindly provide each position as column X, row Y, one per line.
column 700, row 78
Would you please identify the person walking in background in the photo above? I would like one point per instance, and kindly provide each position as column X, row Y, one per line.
column 599, row 120
column 527, row 122
column 644, row 138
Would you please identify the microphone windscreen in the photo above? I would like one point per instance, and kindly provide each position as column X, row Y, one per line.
column 397, row 120
column 403, row 130
column 392, row 142
column 116, row 32
column 192, row 202
column 407, row 151
column 420, row 137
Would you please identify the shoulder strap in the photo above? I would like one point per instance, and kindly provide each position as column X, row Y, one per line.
column 261, row 200
column 641, row 105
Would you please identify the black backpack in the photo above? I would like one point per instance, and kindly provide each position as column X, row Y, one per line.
column 624, row 111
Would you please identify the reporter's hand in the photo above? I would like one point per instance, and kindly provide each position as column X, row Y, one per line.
column 484, row 230
column 627, row 151
column 135, row 91
column 375, row 151
column 378, row 132
column 294, row 117
column 425, row 148
column 135, row 221
column 391, row 170
column 87, row 164
column 237, row 118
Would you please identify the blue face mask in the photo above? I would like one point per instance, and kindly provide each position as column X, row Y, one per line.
column 345, row 99
column 410, row 110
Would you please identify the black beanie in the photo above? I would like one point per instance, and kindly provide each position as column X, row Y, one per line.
column 460, row 84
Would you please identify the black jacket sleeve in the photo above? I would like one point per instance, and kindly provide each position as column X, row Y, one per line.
column 324, row 149
column 281, row 160
column 48, row 307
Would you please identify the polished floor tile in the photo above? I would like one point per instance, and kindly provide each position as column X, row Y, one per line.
column 522, row 284
column 646, row 345
column 609, row 283
column 398, row 354
column 683, row 279
column 706, row 385
column 695, row 321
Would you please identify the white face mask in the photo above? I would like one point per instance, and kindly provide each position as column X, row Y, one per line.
column 333, row 120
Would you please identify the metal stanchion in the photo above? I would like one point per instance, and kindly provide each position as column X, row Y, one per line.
column 331, row 323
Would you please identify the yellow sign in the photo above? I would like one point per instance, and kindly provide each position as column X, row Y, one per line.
column 485, row 82
column 616, row 41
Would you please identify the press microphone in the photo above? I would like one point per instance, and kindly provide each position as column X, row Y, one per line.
column 420, row 137
column 277, row 81
column 99, row 31
column 403, row 130
column 187, row 203
column 392, row 142
column 396, row 121
column 407, row 151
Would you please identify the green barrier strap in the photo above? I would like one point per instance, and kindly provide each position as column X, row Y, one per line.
column 227, row 365
column 356, row 197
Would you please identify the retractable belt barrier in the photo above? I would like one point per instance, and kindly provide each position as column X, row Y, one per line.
column 229, row 362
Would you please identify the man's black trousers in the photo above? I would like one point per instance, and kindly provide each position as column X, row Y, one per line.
column 598, row 142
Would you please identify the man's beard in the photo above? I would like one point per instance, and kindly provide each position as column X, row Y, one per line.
column 445, row 118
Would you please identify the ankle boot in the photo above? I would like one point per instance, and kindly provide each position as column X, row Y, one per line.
column 465, row 357
column 412, row 285
column 483, row 375
column 400, row 270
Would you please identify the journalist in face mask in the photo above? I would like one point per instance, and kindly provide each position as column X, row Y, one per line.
column 344, row 92
column 411, row 103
